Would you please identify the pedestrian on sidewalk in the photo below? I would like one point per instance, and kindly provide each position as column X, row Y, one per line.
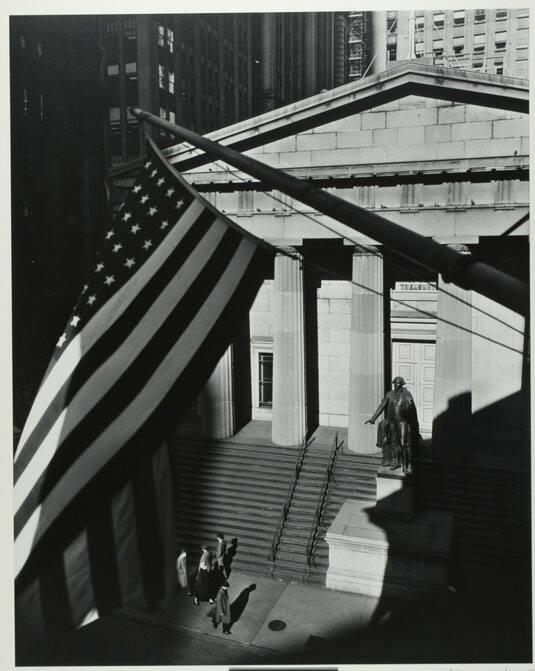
column 222, row 609
column 203, row 584
column 221, row 555
column 182, row 570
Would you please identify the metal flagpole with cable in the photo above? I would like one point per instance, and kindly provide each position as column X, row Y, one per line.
column 461, row 269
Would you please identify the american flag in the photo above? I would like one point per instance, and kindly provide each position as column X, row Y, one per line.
column 93, row 502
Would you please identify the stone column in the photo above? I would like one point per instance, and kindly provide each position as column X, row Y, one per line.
column 289, row 404
column 218, row 400
column 452, row 400
column 366, row 362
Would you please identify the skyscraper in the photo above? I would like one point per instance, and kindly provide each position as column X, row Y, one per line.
column 57, row 181
column 485, row 40
column 207, row 71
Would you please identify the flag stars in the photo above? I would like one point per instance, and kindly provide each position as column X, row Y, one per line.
column 164, row 224
column 61, row 341
column 75, row 320
column 144, row 199
column 135, row 228
column 117, row 247
column 154, row 173
column 152, row 211
column 129, row 263
column 99, row 267
column 110, row 279
column 147, row 244
column 137, row 188
column 110, row 234
column 85, row 288
column 126, row 216
column 179, row 204
column 169, row 192
column 148, row 164
column 91, row 299
column 160, row 181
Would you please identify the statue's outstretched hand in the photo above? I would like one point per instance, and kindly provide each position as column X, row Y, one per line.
column 369, row 421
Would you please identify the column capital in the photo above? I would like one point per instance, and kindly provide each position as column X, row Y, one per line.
column 369, row 250
column 459, row 247
column 284, row 250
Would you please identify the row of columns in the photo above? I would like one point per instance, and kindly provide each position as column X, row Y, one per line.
column 452, row 401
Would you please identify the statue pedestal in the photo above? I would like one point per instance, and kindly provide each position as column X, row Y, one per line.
column 387, row 549
column 394, row 494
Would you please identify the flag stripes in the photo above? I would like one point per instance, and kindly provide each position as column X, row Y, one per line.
column 68, row 375
column 93, row 499
column 79, row 427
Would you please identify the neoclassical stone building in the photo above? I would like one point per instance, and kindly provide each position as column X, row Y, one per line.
column 443, row 152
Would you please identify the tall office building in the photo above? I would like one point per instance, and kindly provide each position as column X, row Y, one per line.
column 196, row 69
column 207, row 71
column 57, row 181
column 486, row 40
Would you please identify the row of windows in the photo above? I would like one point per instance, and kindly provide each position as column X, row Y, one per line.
column 459, row 17
column 129, row 68
column 129, row 27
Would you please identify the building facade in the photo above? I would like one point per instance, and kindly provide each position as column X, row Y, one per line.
column 207, row 71
column 57, row 181
column 334, row 324
column 485, row 40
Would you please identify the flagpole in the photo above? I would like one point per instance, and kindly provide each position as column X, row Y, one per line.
column 461, row 269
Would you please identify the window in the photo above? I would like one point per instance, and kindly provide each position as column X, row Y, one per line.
column 161, row 35
column 171, row 82
column 438, row 47
column 479, row 15
column 419, row 49
column 522, row 38
column 500, row 40
column 172, row 116
column 479, row 43
column 501, row 14
column 129, row 28
column 522, row 13
column 391, row 22
column 438, row 20
column 39, row 50
column 42, row 111
column 163, row 113
column 458, row 45
column 162, row 76
column 265, row 379
column 113, row 69
column 498, row 67
column 114, row 116
column 111, row 26
column 131, row 70
column 392, row 51
column 477, row 65
column 458, row 17
column 170, row 40
column 25, row 102
column 419, row 23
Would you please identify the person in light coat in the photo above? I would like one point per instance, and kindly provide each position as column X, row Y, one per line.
column 182, row 570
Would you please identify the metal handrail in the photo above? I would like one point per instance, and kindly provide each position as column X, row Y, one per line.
column 320, row 506
column 288, row 502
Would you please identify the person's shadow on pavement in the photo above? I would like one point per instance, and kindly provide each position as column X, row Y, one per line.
column 238, row 605
column 231, row 553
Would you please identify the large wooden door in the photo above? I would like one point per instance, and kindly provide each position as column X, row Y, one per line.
column 415, row 362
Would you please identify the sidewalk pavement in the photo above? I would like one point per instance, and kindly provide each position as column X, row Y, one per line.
column 255, row 602
column 319, row 626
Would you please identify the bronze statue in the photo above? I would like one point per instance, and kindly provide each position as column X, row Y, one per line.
column 398, row 433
